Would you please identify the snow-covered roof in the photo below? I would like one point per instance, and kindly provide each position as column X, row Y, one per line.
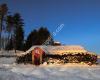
column 59, row 49
column 57, row 42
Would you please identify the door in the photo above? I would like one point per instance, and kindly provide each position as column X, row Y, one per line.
column 37, row 56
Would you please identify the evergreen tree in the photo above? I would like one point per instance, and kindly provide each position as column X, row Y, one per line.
column 9, row 26
column 19, row 38
column 18, row 32
column 9, row 45
column 3, row 13
column 31, row 39
column 44, row 37
column 39, row 37
column 15, row 31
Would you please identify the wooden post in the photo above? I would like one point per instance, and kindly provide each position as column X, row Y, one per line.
column 41, row 58
column 32, row 57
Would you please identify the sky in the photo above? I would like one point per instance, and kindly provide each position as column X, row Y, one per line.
column 81, row 19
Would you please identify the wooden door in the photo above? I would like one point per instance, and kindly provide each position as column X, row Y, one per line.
column 37, row 56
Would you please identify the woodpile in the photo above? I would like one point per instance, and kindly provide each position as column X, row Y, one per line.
column 72, row 58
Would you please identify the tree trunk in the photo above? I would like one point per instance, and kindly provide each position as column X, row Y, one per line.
column 0, row 39
column 15, row 45
column 1, row 23
column 15, row 50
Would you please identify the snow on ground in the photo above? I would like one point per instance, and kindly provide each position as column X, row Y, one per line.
column 5, row 60
column 12, row 71
column 9, row 70
column 30, row 72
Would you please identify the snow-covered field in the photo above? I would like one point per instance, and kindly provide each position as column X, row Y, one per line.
column 11, row 71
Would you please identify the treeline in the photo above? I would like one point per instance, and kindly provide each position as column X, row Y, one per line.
column 39, row 37
column 12, row 32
